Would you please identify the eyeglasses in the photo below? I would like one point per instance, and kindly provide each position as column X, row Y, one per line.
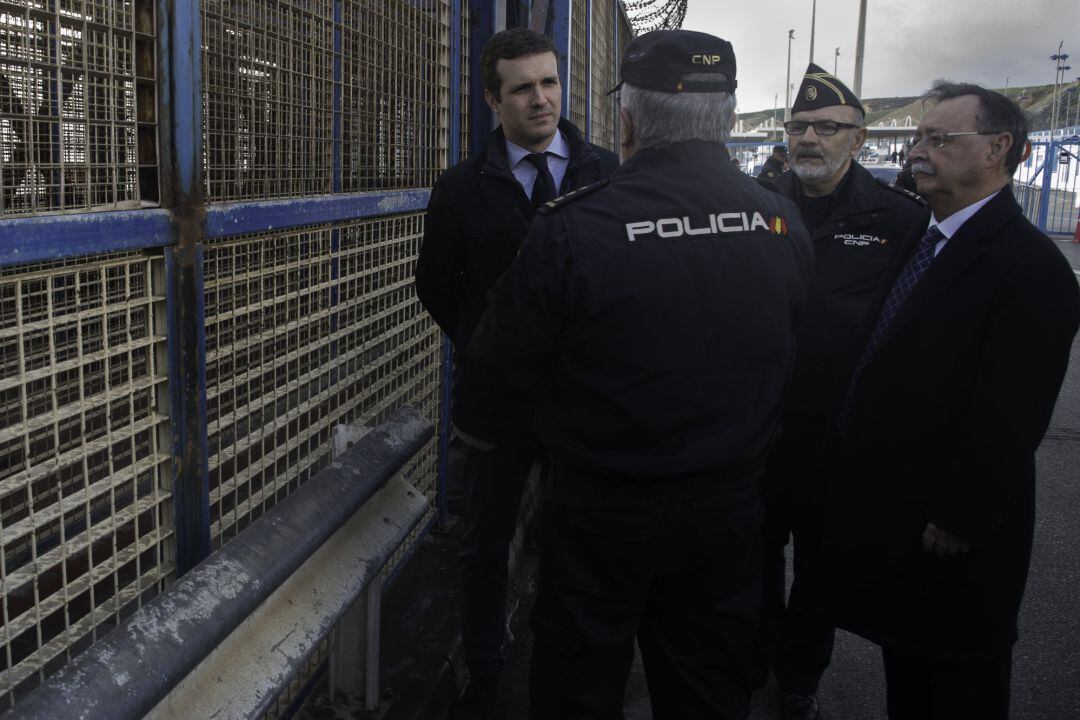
column 940, row 139
column 821, row 127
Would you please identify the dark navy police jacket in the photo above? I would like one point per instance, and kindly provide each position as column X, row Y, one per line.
column 651, row 319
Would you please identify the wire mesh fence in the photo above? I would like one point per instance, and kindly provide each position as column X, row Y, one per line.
column 308, row 329
column 395, row 93
column 267, row 98
column 603, row 71
column 578, row 69
column 77, row 106
column 85, row 469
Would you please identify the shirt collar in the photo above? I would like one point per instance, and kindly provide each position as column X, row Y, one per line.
column 558, row 146
column 951, row 224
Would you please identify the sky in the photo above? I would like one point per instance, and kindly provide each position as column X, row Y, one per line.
column 909, row 43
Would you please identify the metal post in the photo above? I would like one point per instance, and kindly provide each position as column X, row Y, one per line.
column 373, row 626
column 836, row 61
column 561, row 34
column 1047, row 185
column 482, row 26
column 184, row 267
column 860, row 47
column 588, row 72
column 813, row 23
column 787, row 85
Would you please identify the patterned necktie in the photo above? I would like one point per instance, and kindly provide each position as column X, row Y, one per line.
column 905, row 282
column 544, row 187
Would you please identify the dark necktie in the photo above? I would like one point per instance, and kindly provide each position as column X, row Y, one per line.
column 905, row 282
column 544, row 187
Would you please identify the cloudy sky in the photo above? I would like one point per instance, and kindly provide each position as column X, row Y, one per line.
column 909, row 43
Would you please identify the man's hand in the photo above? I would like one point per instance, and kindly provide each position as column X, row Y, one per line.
column 942, row 542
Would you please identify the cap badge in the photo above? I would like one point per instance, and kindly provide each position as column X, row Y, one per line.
column 811, row 93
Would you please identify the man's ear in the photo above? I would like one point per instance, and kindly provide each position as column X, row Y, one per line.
column 492, row 101
column 999, row 148
column 858, row 141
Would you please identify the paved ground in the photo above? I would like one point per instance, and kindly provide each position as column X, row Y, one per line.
column 1046, row 677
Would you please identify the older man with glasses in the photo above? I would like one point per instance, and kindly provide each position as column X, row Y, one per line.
column 855, row 222
column 930, row 517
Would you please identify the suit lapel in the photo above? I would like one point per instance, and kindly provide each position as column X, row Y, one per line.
column 962, row 249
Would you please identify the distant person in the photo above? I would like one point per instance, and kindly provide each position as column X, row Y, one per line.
column 856, row 223
column 477, row 218
column 930, row 519
column 775, row 165
column 895, row 157
column 652, row 318
column 906, row 179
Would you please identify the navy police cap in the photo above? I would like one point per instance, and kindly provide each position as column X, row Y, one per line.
column 679, row 61
column 821, row 89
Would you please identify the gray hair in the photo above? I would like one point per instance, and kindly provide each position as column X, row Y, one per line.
column 662, row 119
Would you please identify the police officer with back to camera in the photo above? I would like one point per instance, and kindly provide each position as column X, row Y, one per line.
column 651, row 320
column 478, row 215
column 774, row 165
column 856, row 223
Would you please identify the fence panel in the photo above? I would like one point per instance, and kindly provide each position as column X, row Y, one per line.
column 85, row 468
column 1049, row 182
column 604, row 69
column 77, row 106
column 578, row 68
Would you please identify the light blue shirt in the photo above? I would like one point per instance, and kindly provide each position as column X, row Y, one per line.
column 950, row 225
column 558, row 158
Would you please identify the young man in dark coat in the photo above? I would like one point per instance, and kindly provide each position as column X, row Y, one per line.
column 651, row 318
column 930, row 518
column 856, row 223
column 478, row 215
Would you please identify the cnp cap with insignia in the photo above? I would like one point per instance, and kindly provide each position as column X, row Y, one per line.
column 679, row 61
column 821, row 89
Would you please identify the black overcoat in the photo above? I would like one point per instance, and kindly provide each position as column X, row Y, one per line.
column 477, row 218
column 943, row 428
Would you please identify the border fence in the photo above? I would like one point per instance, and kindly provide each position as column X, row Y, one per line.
column 209, row 218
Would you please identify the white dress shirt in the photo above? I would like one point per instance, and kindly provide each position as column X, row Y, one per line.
column 558, row 158
column 951, row 224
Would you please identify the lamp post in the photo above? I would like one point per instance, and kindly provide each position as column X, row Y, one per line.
column 860, row 46
column 787, row 85
column 1060, row 67
column 1006, row 86
column 813, row 23
column 836, row 61
column 775, row 103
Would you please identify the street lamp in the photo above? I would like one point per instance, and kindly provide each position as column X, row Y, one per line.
column 787, row 85
column 835, row 62
column 1060, row 67
column 813, row 22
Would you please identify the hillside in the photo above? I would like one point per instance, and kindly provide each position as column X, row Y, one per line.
column 1037, row 102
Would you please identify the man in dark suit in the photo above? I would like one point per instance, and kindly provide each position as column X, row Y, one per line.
column 929, row 527
column 477, row 217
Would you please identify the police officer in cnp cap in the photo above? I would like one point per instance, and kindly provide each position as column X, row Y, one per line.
column 650, row 319
column 776, row 164
column 856, row 223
